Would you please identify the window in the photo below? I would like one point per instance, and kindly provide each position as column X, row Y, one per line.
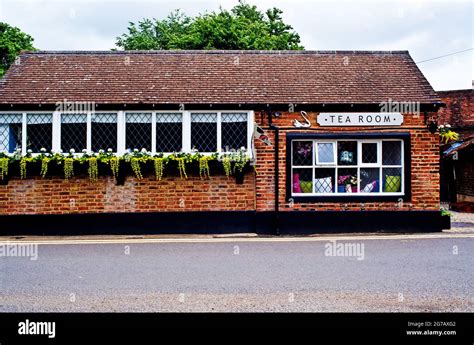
column 155, row 131
column 204, row 132
column 346, row 167
column 10, row 132
column 138, row 131
column 169, row 132
column 39, row 132
column 234, row 131
column 104, row 131
column 73, row 132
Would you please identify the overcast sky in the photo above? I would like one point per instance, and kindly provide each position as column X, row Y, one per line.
column 427, row 29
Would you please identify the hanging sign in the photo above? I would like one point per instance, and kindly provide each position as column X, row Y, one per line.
column 360, row 119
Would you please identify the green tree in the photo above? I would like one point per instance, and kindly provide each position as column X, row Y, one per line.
column 12, row 42
column 243, row 27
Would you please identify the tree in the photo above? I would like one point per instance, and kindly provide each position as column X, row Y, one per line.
column 12, row 42
column 243, row 27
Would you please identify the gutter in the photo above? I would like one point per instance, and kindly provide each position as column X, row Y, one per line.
column 276, row 176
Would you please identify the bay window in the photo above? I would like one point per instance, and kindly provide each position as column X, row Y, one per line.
column 337, row 167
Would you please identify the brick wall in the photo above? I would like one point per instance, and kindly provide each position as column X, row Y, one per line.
column 78, row 195
column 459, row 110
column 424, row 172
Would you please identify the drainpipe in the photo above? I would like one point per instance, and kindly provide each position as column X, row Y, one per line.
column 276, row 146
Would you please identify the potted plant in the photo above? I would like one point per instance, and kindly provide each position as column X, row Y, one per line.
column 445, row 219
column 347, row 184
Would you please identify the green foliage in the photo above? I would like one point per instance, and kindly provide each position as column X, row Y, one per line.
column 447, row 135
column 68, row 167
column 93, row 169
column 4, row 161
column 244, row 27
column 204, row 167
column 12, row 42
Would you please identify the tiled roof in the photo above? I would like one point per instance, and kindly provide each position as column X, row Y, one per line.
column 218, row 77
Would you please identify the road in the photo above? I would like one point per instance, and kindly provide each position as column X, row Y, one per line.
column 398, row 273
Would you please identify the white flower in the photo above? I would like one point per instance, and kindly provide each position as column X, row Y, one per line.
column 42, row 149
column 143, row 150
column 135, row 150
column 448, row 126
column 441, row 126
column 84, row 151
column 101, row 151
column 72, row 151
column 110, row 150
column 30, row 151
column 60, row 151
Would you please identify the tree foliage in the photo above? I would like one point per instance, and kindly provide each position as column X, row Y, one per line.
column 12, row 42
column 244, row 27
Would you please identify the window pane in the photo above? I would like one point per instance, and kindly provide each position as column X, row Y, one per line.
column 39, row 132
column 324, row 180
column 73, row 132
column 169, row 132
column 391, row 152
column 302, row 153
column 204, row 132
column 302, row 181
column 370, row 180
column 234, row 131
column 104, row 131
column 347, row 152
column 369, row 152
column 325, row 153
column 10, row 132
column 347, row 180
column 392, row 180
column 138, row 131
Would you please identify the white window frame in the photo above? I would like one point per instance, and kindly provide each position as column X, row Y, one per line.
column 334, row 153
column 358, row 166
column 121, row 128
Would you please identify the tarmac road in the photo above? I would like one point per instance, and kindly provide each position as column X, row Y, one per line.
column 399, row 273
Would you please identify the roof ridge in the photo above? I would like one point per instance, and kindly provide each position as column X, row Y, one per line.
column 211, row 52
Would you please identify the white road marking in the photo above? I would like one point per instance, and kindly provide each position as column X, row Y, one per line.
column 233, row 240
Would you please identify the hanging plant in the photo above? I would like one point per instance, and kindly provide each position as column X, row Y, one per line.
column 226, row 163
column 158, row 163
column 446, row 134
column 241, row 160
column 182, row 168
column 44, row 166
column 23, row 162
column 93, row 169
column 114, row 163
column 204, row 167
column 68, row 167
column 135, row 163
column 3, row 167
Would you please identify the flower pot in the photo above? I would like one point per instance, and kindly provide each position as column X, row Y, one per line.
column 341, row 189
column 446, row 222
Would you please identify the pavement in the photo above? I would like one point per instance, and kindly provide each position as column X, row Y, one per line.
column 372, row 272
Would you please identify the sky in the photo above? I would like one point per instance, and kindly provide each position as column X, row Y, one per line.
column 427, row 29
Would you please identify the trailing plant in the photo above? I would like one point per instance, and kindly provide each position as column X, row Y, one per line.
column 182, row 168
column 114, row 163
column 44, row 166
column 159, row 167
column 23, row 162
column 204, row 167
column 227, row 165
column 68, row 167
column 135, row 163
column 4, row 161
column 241, row 159
column 93, row 169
